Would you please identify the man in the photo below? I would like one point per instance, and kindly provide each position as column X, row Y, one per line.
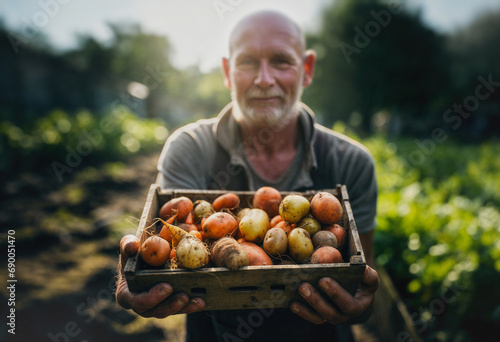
column 266, row 136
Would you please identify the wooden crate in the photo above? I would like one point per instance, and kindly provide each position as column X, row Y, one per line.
column 251, row 286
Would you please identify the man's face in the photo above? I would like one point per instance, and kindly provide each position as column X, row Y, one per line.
column 265, row 73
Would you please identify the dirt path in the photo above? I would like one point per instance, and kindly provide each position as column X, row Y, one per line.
column 67, row 238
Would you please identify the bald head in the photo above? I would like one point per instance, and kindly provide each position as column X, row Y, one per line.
column 267, row 21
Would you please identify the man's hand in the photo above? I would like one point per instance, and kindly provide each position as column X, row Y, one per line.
column 157, row 302
column 335, row 305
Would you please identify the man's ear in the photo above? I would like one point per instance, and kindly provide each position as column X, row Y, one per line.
column 309, row 63
column 225, row 71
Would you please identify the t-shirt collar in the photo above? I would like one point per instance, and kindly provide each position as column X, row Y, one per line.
column 226, row 133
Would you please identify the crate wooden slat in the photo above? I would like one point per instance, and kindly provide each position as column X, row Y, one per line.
column 252, row 286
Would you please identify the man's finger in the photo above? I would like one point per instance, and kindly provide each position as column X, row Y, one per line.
column 144, row 301
column 370, row 279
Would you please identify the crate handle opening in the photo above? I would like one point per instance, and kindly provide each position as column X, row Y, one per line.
column 279, row 288
column 198, row 291
column 243, row 288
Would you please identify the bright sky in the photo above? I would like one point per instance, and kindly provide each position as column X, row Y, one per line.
column 197, row 29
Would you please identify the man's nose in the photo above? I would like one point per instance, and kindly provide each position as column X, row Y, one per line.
column 265, row 78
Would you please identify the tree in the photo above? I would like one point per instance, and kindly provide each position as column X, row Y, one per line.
column 475, row 54
column 375, row 56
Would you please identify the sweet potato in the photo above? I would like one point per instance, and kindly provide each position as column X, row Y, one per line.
column 227, row 252
column 256, row 255
column 229, row 201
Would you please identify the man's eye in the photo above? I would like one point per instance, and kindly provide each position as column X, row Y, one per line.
column 247, row 62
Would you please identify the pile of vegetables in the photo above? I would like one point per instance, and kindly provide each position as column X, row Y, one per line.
column 273, row 230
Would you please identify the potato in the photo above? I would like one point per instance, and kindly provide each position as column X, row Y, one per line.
column 202, row 209
column 300, row 246
column 310, row 224
column 129, row 245
column 254, row 225
column 227, row 252
column 293, row 208
column 326, row 208
column 191, row 252
column 180, row 206
column 268, row 199
column 275, row 242
column 229, row 201
column 324, row 238
column 219, row 225
column 155, row 251
column 340, row 232
column 326, row 255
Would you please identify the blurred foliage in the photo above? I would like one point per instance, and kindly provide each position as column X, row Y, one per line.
column 61, row 141
column 378, row 56
column 438, row 233
column 374, row 56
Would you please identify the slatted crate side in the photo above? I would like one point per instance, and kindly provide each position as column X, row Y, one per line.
column 251, row 285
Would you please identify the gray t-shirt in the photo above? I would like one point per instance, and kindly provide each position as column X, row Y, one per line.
column 188, row 157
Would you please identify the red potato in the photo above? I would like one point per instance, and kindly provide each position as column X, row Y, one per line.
column 219, row 224
column 129, row 245
column 229, row 201
column 326, row 208
column 324, row 238
column 256, row 255
column 155, row 251
column 180, row 206
column 268, row 199
column 340, row 233
column 187, row 227
column 326, row 255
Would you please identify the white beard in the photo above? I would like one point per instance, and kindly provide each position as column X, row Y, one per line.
column 265, row 117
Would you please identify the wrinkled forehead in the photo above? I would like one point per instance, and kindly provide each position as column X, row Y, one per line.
column 266, row 29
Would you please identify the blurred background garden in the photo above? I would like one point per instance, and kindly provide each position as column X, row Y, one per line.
column 81, row 128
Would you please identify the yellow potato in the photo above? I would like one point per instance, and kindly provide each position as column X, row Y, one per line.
column 293, row 208
column 300, row 246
